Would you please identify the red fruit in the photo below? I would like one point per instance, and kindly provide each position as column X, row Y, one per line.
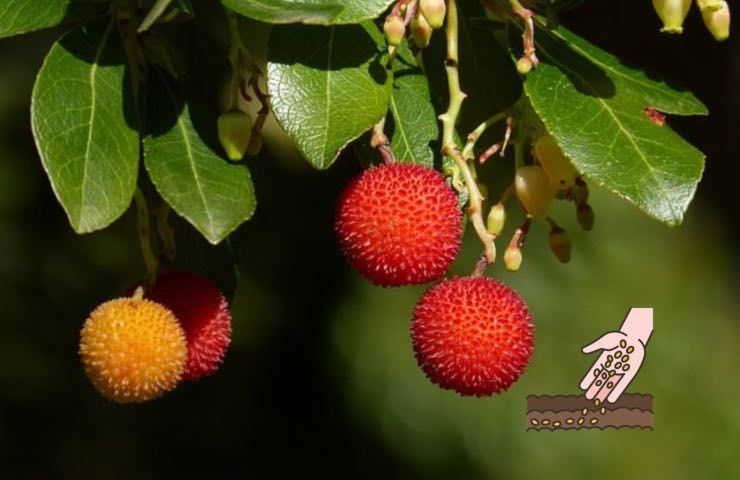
column 204, row 315
column 472, row 335
column 399, row 224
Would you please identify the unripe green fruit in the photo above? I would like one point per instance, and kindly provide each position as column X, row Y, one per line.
column 421, row 31
column 394, row 29
column 586, row 217
column 434, row 11
column 534, row 189
column 235, row 132
column 557, row 166
column 560, row 245
column 717, row 20
column 496, row 219
column 672, row 13
column 513, row 258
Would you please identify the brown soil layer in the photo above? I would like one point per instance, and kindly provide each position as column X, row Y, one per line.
column 572, row 412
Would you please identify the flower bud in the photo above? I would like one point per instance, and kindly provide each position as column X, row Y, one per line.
column 496, row 219
column 434, row 11
column 524, row 65
column 534, row 189
column 579, row 192
column 513, row 258
column 672, row 13
column 560, row 245
column 586, row 217
column 394, row 29
column 421, row 31
column 717, row 19
column 558, row 168
column 235, row 132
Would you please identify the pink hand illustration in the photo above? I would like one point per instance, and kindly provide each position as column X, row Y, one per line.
column 621, row 358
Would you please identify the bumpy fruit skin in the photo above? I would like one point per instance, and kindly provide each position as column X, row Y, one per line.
column 399, row 224
column 534, row 189
column 133, row 350
column 203, row 313
column 472, row 335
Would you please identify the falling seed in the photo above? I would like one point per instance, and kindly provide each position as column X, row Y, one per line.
column 630, row 349
column 569, row 421
column 625, row 367
column 584, row 411
column 622, row 343
column 596, row 372
column 610, row 385
column 580, row 421
column 556, row 424
column 603, row 375
column 598, row 383
column 612, row 373
column 608, row 364
column 617, row 354
column 625, row 358
column 618, row 365
column 535, row 422
column 609, row 358
column 603, row 410
column 545, row 422
column 594, row 421
column 597, row 402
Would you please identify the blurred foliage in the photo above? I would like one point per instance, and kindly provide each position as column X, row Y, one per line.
column 321, row 378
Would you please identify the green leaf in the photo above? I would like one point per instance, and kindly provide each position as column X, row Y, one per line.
column 82, row 127
column 593, row 105
column 415, row 128
column 214, row 195
column 321, row 12
column 21, row 16
column 328, row 85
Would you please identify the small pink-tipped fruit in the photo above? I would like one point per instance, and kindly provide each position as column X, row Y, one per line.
column 672, row 13
column 434, row 11
column 235, row 132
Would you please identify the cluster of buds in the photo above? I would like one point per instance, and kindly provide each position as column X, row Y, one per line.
column 716, row 15
column 422, row 16
column 536, row 186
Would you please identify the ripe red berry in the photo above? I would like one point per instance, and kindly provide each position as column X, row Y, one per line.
column 472, row 335
column 399, row 224
column 203, row 313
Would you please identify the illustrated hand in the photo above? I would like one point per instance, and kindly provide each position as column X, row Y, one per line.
column 621, row 359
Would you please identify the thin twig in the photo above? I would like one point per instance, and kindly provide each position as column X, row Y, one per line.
column 380, row 142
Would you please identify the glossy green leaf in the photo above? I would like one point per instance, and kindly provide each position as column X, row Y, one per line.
column 321, row 12
column 21, row 16
column 415, row 128
column 593, row 105
column 328, row 85
column 82, row 129
column 214, row 195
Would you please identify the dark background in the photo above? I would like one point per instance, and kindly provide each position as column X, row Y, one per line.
column 320, row 381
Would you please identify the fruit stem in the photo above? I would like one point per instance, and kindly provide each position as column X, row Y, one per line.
column 449, row 147
column 379, row 141
column 475, row 135
column 144, row 231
